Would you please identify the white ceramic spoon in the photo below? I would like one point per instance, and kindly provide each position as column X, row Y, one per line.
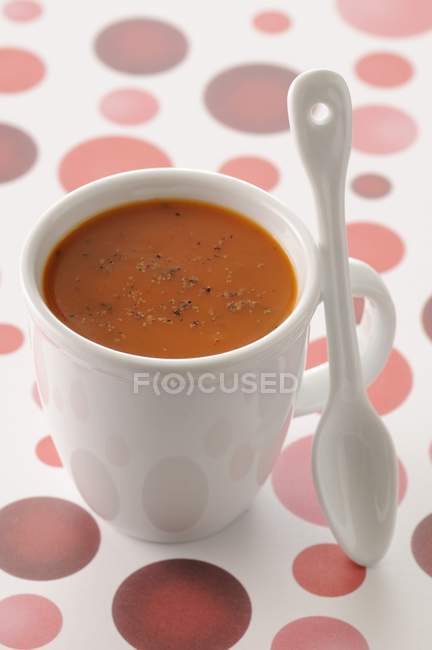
column 354, row 463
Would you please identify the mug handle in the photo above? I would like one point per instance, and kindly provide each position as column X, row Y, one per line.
column 375, row 336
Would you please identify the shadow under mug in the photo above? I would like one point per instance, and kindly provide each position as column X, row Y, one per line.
column 172, row 450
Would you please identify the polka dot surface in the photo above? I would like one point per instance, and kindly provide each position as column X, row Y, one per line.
column 141, row 46
column 11, row 338
column 384, row 69
column 421, row 544
column 181, row 604
column 324, row 570
column 377, row 245
column 255, row 170
column 18, row 152
column 45, row 538
column 28, row 621
column 19, row 70
column 251, row 97
column 272, row 22
column 22, row 11
column 47, row 452
column 319, row 633
column 93, row 159
column 393, row 18
column 129, row 106
column 382, row 129
column 371, row 186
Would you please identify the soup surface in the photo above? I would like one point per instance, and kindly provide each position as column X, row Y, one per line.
column 170, row 278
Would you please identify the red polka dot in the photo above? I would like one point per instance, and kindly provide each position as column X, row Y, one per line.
column 316, row 352
column 43, row 538
column 129, row 106
column 181, row 604
column 359, row 304
column 18, row 152
column 421, row 544
column 22, row 10
column 382, row 129
column 427, row 317
column 28, row 621
column 293, row 483
column 19, row 70
column 319, row 633
column 393, row 385
column 371, row 186
column 104, row 156
column 325, row 570
column 384, row 69
column 388, row 17
column 35, row 395
column 272, row 22
column 255, row 170
column 375, row 244
column 141, row 46
column 251, row 97
column 47, row 453
column 11, row 338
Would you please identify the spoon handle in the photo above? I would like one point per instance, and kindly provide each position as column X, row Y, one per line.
column 319, row 106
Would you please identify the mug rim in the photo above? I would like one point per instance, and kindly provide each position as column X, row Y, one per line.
column 290, row 327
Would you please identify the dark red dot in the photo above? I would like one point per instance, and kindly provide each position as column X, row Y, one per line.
column 181, row 605
column 427, row 317
column 141, row 46
column 18, row 152
column 44, row 538
column 251, row 97
column 421, row 544
column 319, row 633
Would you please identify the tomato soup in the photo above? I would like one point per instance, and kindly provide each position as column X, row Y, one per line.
column 170, row 278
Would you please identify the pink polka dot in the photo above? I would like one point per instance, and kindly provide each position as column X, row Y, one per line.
column 47, row 453
column 371, row 186
column 93, row 159
column 18, row 152
column 255, row 170
column 28, row 621
column 382, row 129
column 272, row 22
column 319, row 633
column 359, row 304
column 389, row 390
column 19, row 70
column 375, row 244
column 393, row 385
column 22, row 10
column 251, row 97
column 141, row 46
column 35, row 395
column 427, row 317
column 421, row 544
column 11, row 338
column 293, row 483
column 43, row 538
column 325, row 570
column 388, row 17
column 181, row 604
column 384, row 69
column 129, row 106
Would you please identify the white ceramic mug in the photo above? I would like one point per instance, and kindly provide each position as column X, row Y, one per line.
column 162, row 448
